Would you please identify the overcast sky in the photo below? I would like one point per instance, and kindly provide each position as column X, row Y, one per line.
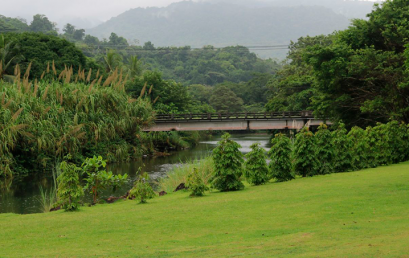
column 61, row 11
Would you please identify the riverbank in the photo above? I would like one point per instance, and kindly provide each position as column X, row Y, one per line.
column 358, row 214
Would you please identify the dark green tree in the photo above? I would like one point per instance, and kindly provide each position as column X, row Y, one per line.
column 359, row 148
column 280, row 155
column 325, row 150
column 305, row 159
column 256, row 170
column 195, row 183
column 41, row 23
column 224, row 100
column 228, row 162
column 342, row 145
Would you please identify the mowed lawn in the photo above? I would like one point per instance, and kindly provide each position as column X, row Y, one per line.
column 357, row 214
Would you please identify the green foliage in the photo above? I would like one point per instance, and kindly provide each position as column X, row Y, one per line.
column 224, row 100
column 9, row 56
column 195, row 183
column 228, row 162
column 98, row 178
column 41, row 23
column 343, row 148
column 142, row 190
column 280, row 155
column 359, row 148
column 256, row 170
column 305, row 159
column 69, row 190
column 325, row 151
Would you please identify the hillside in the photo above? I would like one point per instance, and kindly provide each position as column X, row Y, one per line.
column 222, row 24
column 357, row 214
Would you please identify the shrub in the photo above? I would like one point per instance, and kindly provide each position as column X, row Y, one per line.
column 228, row 161
column 359, row 148
column 256, row 170
column 342, row 150
column 195, row 183
column 98, row 178
column 280, row 155
column 305, row 161
column 324, row 150
column 142, row 190
column 69, row 190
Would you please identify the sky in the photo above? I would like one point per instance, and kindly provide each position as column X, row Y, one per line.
column 82, row 13
column 78, row 11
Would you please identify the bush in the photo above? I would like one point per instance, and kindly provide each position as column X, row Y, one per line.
column 280, row 155
column 305, row 160
column 69, row 190
column 324, row 150
column 98, row 178
column 228, row 162
column 342, row 150
column 195, row 183
column 142, row 190
column 359, row 148
column 256, row 170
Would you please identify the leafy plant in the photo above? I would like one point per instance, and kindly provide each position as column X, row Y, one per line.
column 256, row 170
column 69, row 190
column 324, row 150
column 47, row 198
column 142, row 190
column 98, row 178
column 228, row 162
column 195, row 183
column 342, row 160
column 305, row 160
column 280, row 155
column 359, row 148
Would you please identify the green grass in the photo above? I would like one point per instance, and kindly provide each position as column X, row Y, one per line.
column 359, row 214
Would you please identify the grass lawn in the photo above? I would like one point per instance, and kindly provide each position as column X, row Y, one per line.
column 359, row 214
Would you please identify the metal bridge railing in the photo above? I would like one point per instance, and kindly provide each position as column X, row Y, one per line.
column 234, row 116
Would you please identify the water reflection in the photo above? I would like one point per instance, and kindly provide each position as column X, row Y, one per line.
column 26, row 198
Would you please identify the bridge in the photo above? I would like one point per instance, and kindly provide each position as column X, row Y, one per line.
column 234, row 121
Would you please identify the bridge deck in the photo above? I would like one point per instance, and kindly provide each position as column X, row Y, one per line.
column 234, row 121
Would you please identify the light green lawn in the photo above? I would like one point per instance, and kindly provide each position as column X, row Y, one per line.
column 359, row 214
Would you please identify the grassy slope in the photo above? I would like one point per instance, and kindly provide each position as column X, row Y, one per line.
column 360, row 214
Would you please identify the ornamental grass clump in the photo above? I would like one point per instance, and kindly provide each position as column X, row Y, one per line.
column 256, row 170
column 280, row 155
column 142, row 190
column 196, row 184
column 228, row 162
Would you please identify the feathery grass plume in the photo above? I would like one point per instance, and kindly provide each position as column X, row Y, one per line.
column 54, row 70
column 143, row 90
column 35, row 90
column 74, row 91
column 130, row 100
column 17, row 70
column 76, row 78
column 7, row 104
column 108, row 80
column 81, row 102
column 61, row 74
column 91, row 86
column 68, row 75
column 89, row 75
column 45, row 93
column 83, row 75
column 27, row 74
column 26, row 84
column 57, row 94
column 48, row 67
column 61, row 99
column 42, row 75
column 46, row 110
column 150, row 90
column 3, row 98
column 17, row 128
column 17, row 114
column 96, row 76
column 100, row 80
column 61, row 110
column 157, row 98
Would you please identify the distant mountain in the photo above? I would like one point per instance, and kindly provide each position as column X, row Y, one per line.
column 222, row 24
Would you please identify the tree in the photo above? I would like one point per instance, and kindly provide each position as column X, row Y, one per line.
column 256, row 170
column 134, row 67
column 195, row 183
column 228, row 161
column 112, row 60
column 342, row 145
column 305, row 160
column 69, row 29
column 280, row 155
column 98, row 178
column 225, row 100
column 79, row 34
column 324, row 150
column 41, row 23
column 359, row 148
column 9, row 56
column 142, row 190
column 69, row 190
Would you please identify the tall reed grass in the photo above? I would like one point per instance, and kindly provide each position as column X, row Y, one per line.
column 47, row 199
column 180, row 173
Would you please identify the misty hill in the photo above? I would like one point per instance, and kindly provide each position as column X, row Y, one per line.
column 222, row 24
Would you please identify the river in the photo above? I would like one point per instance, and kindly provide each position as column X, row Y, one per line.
column 25, row 200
